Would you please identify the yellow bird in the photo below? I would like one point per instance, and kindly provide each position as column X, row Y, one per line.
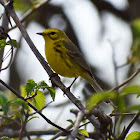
column 65, row 58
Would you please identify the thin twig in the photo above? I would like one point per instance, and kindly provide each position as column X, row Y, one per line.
column 123, row 65
column 23, row 126
column 5, row 27
column 125, row 131
column 13, row 120
column 41, row 109
column 61, row 132
column 15, row 133
column 121, row 114
column 31, row 11
column 128, row 80
column 76, row 126
column 67, row 128
column 12, row 46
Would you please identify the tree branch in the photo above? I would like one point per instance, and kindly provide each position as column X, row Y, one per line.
column 9, row 8
column 76, row 126
column 129, row 79
column 5, row 22
column 20, row 97
column 31, row 11
column 124, row 133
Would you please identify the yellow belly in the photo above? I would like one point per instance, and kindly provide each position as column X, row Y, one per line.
column 61, row 63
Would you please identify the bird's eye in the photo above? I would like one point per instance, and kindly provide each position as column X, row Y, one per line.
column 52, row 33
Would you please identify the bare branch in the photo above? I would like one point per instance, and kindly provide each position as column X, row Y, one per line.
column 76, row 126
column 12, row 47
column 61, row 133
column 128, row 80
column 31, row 11
column 125, row 131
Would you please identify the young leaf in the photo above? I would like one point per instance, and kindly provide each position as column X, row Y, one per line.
column 121, row 106
column 18, row 113
column 132, row 108
column 132, row 89
column 42, row 85
column 5, row 107
column 32, row 118
column 39, row 100
column 2, row 43
column 23, row 91
column 30, row 86
column 14, row 43
column 4, row 138
column 52, row 92
column 3, row 98
column 4, row 102
column 133, row 136
column 98, row 97
column 20, row 102
column 83, row 132
column 136, row 28
column 71, row 121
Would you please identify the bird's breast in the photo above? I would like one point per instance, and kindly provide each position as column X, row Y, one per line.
column 60, row 62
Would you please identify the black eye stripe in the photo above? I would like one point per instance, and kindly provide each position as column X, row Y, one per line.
column 52, row 33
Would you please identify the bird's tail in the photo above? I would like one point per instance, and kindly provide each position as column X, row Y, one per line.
column 92, row 82
column 95, row 85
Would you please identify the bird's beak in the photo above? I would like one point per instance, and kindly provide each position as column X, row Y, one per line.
column 43, row 34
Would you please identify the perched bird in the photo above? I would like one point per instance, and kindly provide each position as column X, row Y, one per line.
column 65, row 58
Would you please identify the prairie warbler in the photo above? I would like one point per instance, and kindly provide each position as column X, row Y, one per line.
column 65, row 58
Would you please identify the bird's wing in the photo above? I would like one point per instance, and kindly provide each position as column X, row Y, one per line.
column 74, row 53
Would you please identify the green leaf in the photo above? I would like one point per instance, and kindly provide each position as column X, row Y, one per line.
column 5, row 107
column 98, row 97
column 3, row 98
column 20, row 116
column 52, row 92
column 20, row 102
column 136, row 28
column 42, row 85
column 2, row 43
column 71, row 121
column 32, row 118
column 22, row 5
column 132, row 89
column 133, row 136
column 23, row 91
column 132, row 108
column 4, row 102
column 83, row 132
column 5, row 138
column 121, row 104
column 39, row 100
column 14, row 43
column 30, row 86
